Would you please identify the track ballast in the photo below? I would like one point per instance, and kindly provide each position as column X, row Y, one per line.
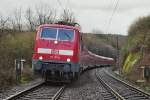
column 41, row 91
column 121, row 89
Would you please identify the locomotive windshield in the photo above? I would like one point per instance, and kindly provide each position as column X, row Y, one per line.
column 49, row 33
column 64, row 34
column 57, row 34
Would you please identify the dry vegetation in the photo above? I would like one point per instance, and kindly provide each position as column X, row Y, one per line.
column 19, row 45
column 102, row 44
column 135, row 51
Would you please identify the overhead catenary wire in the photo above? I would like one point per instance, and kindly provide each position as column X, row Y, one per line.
column 112, row 15
column 67, row 5
column 108, row 28
column 106, row 23
column 60, row 4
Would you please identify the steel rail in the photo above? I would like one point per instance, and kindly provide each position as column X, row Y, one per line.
column 118, row 96
column 16, row 95
column 58, row 93
column 128, row 85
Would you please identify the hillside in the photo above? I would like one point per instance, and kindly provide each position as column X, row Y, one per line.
column 103, row 44
column 136, row 51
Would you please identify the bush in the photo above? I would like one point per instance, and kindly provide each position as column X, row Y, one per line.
column 26, row 75
column 137, row 43
column 139, row 32
column 98, row 44
column 130, row 61
column 19, row 45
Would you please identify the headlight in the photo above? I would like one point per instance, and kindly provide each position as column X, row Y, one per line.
column 40, row 57
column 68, row 60
column 55, row 42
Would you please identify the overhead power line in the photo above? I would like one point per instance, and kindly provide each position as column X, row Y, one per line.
column 60, row 4
column 111, row 17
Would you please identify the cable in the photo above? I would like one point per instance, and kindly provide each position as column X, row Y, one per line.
column 66, row 5
column 111, row 3
column 60, row 4
column 111, row 17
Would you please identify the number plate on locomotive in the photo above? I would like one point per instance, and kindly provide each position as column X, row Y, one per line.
column 54, row 51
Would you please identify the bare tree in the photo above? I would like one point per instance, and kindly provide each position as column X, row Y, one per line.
column 13, row 24
column 3, row 23
column 45, row 15
column 16, row 20
column 68, row 16
column 30, row 19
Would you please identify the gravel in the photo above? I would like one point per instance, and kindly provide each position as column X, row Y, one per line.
column 44, row 92
column 86, row 88
column 4, row 93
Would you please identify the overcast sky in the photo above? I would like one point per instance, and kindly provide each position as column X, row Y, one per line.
column 91, row 14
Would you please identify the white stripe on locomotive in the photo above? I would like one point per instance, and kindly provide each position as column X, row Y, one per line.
column 44, row 51
column 61, row 52
column 66, row 52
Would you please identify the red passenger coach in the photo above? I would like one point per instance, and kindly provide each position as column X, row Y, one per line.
column 57, row 52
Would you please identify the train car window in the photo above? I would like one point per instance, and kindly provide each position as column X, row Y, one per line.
column 49, row 33
column 65, row 34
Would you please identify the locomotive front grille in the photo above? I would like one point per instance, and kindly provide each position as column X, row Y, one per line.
column 53, row 66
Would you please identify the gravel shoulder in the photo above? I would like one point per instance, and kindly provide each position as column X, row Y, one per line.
column 86, row 88
column 4, row 93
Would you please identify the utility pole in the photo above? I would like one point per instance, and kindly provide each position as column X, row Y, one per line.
column 117, row 46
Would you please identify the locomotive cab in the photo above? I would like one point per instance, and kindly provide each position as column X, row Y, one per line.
column 56, row 52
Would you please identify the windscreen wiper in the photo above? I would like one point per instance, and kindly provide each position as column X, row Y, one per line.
column 68, row 36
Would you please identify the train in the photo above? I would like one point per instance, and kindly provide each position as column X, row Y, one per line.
column 59, row 52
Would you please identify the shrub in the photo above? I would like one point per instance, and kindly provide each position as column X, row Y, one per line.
column 130, row 61
column 19, row 45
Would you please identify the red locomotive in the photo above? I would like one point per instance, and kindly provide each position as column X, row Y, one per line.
column 59, row 55
column 57, row 52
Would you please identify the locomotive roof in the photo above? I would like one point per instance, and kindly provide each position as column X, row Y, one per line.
column 58, row 26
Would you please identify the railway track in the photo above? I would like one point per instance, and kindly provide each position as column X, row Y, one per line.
column 109, row 93
column 120, row 89
column 40, row 91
